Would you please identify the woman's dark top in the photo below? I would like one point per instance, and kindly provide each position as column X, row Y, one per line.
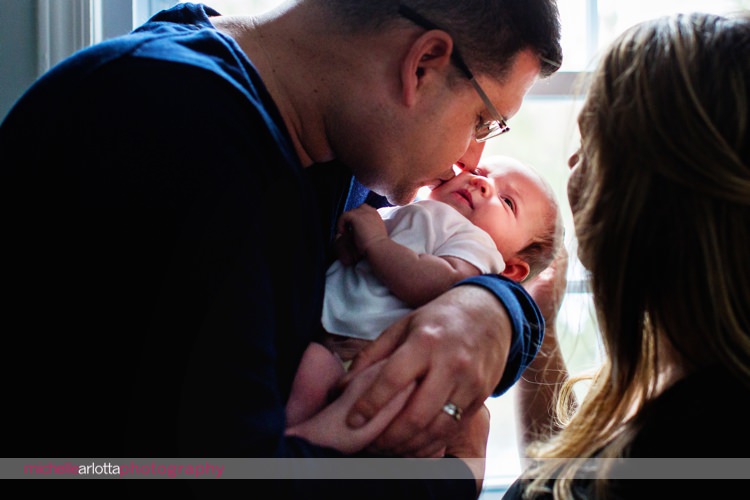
column 695, row 431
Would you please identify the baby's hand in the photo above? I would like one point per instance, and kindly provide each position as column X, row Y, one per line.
column 345, row 248
column 358, row 229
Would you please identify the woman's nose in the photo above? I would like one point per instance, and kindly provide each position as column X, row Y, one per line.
column 574, row 159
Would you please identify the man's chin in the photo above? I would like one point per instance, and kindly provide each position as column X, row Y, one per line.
column 400, row 197
column 401, row 200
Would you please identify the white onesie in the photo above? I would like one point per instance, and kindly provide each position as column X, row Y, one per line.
column 357, row 304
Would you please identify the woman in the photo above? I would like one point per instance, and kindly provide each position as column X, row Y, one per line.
column 660, row 191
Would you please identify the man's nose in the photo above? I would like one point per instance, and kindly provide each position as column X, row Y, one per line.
column 470, row 159
column 448, row 174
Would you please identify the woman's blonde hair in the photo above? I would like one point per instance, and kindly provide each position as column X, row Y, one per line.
column 662, row 214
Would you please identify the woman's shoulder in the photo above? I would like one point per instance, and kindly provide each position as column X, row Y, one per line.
column 699, row 417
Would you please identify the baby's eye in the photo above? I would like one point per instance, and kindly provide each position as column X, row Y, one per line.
column 510, row 203
column 480, row 171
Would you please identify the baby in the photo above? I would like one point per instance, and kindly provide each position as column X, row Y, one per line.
column 502, row 218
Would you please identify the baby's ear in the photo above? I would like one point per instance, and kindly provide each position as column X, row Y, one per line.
column 516, row 269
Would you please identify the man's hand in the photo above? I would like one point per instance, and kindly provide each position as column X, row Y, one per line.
column 327, row 427
column 470, row 444
column 455, row 348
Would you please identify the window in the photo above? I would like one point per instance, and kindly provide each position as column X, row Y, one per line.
column 544, row 134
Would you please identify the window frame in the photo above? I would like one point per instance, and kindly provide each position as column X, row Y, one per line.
column 62, row 28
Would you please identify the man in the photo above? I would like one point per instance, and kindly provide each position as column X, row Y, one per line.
column 169, row 199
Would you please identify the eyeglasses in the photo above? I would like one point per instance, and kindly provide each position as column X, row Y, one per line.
column 487, row 129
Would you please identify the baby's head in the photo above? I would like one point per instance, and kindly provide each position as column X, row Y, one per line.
column 515, row 206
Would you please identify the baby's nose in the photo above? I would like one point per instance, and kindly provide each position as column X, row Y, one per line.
column 482, row 185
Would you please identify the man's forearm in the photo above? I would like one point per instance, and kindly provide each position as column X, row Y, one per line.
column 522, row 322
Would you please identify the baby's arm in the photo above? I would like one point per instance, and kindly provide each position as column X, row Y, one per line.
column 415, row 278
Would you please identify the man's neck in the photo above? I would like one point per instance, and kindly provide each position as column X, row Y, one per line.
column 290, row 72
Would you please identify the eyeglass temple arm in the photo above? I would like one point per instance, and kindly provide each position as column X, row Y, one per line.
column 417, row 19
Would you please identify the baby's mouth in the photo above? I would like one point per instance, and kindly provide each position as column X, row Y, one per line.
column 467, row 196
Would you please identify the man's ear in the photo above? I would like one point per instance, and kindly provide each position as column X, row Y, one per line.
column 516, row 269
column 427, row 56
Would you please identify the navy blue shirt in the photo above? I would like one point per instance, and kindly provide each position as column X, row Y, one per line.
column 164, row 254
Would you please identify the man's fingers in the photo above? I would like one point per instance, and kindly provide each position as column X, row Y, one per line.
column 433, row 413
column 419, row 414
column 396, row 374
column 379, row 349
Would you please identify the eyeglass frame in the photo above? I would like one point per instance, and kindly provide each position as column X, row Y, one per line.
column 495, row 127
